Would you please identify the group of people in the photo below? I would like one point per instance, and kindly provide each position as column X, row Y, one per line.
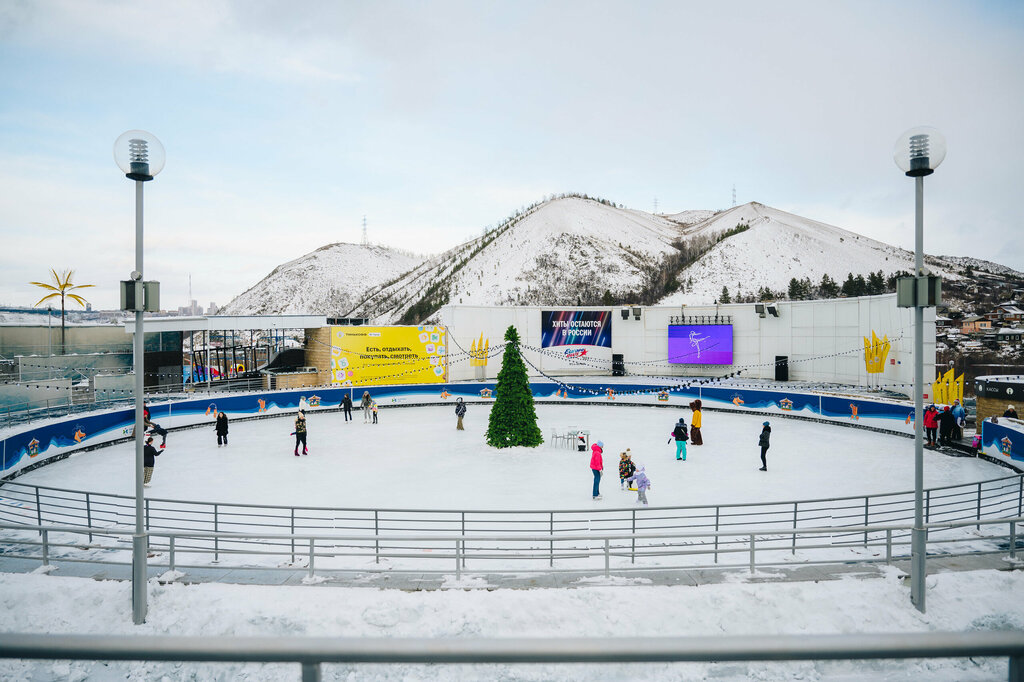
column 947, row 424
column 630, row 472
column 367, row 403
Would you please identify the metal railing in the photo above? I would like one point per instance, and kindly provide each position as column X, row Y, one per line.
column 312, row 652
column 607, row 553
column 846, row 517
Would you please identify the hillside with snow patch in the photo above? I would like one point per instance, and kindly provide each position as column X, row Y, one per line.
column 779, row 246
column 574, row 249
column 328, row 281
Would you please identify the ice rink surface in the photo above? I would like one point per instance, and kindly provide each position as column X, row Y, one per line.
column 415, row 459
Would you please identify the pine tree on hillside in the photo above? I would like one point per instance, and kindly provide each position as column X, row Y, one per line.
column 513, row 419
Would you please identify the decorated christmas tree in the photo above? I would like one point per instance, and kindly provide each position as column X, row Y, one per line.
column 513, row 419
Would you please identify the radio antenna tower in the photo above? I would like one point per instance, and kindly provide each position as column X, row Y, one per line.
column 734, row 195
column 366, row 242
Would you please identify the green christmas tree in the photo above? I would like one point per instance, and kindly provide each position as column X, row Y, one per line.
column 513, row 419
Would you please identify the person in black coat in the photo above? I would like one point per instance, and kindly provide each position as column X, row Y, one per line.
column 1011, row 412
column 346, row 406
column 460, row 412
column 149, row 455
column 947, row 422
column 764, row 442
column 222, row 429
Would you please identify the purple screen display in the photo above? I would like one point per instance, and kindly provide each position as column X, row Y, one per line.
column 703, row 344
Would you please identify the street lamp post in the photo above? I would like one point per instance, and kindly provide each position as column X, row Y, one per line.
column 918, row 152
column 141, row 156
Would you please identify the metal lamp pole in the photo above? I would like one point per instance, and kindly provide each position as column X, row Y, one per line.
column 918, row 153
column 141, row 156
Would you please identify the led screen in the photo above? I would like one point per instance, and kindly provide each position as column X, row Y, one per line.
column 575, row 327
column 700, row 344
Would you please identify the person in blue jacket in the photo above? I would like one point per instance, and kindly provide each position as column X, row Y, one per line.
column 960, row 415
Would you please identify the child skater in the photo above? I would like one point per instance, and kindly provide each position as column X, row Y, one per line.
column 373, row 408
column 642, row 484
column 681, row 436
column 626, row 469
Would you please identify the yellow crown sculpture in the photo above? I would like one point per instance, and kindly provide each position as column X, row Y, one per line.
column 875, row 352
column 947, row 388
column 478, row 352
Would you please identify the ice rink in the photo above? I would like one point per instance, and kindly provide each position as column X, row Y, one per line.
column 414, row 458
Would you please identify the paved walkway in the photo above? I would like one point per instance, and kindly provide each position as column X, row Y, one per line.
column 413, row 581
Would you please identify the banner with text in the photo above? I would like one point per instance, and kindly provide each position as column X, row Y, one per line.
column 388, row 355
column 576, row 338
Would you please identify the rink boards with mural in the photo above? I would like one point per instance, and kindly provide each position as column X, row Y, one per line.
column 29, row 445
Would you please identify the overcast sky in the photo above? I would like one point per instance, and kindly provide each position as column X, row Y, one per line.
column 285, row 123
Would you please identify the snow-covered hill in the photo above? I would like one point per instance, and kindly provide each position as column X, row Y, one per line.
column 557, row 253
column 328, row 281
column 779, row 246
column 574, row 249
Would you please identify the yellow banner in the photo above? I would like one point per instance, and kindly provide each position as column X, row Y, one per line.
column 363, row 356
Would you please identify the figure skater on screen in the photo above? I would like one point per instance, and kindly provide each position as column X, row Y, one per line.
column 696, row 340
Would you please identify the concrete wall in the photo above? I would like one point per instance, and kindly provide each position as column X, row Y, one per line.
column 824, row 340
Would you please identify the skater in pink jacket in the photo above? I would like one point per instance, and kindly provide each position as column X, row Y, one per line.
column 596, row 466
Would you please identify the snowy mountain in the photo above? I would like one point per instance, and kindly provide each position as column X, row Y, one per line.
column 575, row 249
column 328, row 281
column 779, row 246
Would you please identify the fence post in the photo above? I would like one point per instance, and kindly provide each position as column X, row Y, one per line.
column 866, row 498
column 1020, row 493
column 794, row 527
column 607, row 560
column 311, row 672
column 458, row 559
column 751, row 552
column 39, row 510
column 376, row 536
column 170, row 566
column 293, row 534
column 927, row 506
column 978, row 527
column 717, row 509
column 463, row 515
column 312, row 556
column 46, row 547
column 88, row 515
column 632, row 551
column 551, row 542
column 1013, row 539
column 888, row 546
column 147, row 514
column 216, row 529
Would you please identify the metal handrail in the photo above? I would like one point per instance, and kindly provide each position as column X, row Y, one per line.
column 312, row 652
column 993, row 497
column 457, row 547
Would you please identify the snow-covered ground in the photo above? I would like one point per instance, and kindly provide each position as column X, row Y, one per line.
column 415, row 458
column 981, row 600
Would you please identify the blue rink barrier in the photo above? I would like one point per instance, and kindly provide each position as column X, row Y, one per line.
column 28, row 445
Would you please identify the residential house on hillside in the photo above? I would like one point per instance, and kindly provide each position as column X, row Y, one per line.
column 1010, row 313
column 975, row 324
